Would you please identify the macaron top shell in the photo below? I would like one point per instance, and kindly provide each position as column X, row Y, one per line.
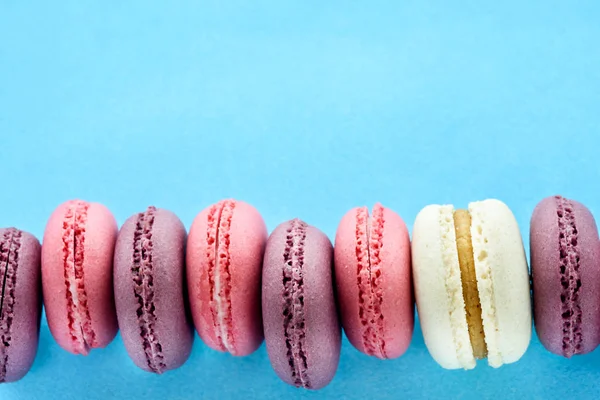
column 226, row 244
column 440, row 303
column 77, row 256
column 565, row 266
column 374, row 284
column 21, row 304
column 149, row 290
column 502, row 282
column 302, row 330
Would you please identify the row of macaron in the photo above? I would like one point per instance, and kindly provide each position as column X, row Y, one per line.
column 466, row 269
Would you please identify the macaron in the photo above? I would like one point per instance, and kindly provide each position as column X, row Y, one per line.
column 565, row 267
column 471, row 284
column 20, row 302
column 225, row 248
column 149, row 283
column 77, row 282
column 374, row 283
column 302, row 329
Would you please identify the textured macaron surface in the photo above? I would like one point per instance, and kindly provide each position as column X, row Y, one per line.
column 565, row 263
column 373, row 276
column 20, row 302
column 302, row 330
column 224, row 263
column 77, row 254
column 149, row 290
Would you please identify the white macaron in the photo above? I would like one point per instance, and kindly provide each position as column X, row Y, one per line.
column 502, row 287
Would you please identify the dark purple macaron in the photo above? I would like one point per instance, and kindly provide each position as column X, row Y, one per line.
column 301, row 325
column 20, row 303
column 149, row 290
column 565, row 268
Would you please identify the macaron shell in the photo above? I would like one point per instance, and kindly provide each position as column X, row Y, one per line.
column 441, row 314
column 321, row 322
column 545, row 268
column 248, row 240
column 27, row 310
column 248, row 236
column 501, row 247
column 100, row 236
column 396, row 283
column 172, row 328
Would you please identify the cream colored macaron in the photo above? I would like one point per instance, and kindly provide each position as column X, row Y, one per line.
column 471, row 284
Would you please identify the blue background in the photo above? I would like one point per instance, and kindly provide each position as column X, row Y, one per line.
column 303, row 110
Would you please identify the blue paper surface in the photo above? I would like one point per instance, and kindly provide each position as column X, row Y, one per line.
column 302, row 109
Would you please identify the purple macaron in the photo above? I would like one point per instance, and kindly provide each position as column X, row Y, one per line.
column 565, row 268
column 20, row 302
column 149, row 290
column 301, row 325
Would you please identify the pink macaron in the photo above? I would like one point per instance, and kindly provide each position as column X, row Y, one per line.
column 77, row 259
column 225, row 249
column 373, row 276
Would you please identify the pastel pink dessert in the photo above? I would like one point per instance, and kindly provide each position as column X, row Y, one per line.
column 224, row 262
column 374, row 283
column 77, row 259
